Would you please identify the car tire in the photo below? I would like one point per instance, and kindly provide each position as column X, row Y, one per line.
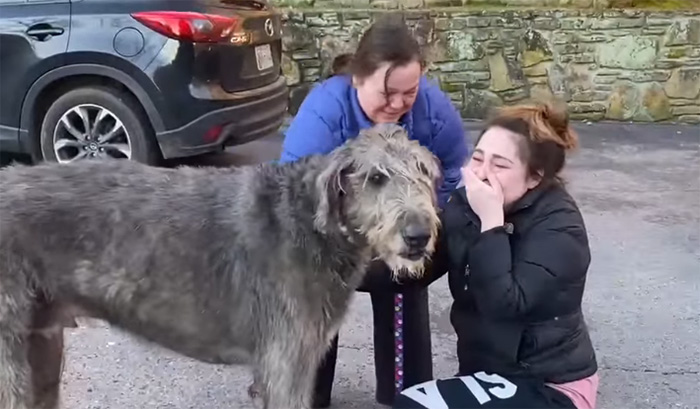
column 120, row 105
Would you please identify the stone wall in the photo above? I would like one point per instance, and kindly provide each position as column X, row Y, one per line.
column 601, row 4
column 632, row 65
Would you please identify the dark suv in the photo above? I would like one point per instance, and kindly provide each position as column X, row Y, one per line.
column 137, row 79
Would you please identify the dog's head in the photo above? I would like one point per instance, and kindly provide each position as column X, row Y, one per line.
column 382, row 186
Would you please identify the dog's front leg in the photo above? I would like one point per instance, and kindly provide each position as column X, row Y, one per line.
column 288, row 371
column 256, row 389
column 15, row 386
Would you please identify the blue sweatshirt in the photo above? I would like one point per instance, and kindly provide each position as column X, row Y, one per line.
column 331, row 114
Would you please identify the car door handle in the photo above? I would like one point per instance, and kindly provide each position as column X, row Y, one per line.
column 44, row 32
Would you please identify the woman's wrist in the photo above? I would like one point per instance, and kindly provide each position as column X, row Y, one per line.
column 492, row 222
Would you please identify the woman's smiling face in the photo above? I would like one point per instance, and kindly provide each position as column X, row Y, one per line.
column 498, row 152
column 388, row 102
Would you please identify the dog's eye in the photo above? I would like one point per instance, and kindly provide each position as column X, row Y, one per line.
column 378, row 179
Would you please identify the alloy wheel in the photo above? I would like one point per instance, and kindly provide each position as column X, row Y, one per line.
column 89, row 131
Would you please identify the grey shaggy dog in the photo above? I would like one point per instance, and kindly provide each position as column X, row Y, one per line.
column 254, row 265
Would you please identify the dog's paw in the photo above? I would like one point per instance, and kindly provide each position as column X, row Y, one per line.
column 256, row 395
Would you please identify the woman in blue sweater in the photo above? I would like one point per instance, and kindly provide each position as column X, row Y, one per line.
column 383, row 82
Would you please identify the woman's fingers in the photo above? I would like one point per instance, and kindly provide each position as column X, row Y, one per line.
column 470, row 179
column 494, row 182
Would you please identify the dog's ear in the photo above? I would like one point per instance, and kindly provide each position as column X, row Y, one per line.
column 330, row 187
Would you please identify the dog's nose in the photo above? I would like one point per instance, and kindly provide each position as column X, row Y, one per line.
column 416, row 235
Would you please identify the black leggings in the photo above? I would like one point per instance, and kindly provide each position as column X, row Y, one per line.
column 481, row 390
column 418, row 363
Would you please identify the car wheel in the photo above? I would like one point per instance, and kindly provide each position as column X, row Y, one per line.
column 97, row 123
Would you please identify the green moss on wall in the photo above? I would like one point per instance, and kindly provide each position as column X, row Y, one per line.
column 656, row 4
column 676, row 53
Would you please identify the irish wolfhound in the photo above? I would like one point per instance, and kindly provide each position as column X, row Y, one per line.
column 253, row 265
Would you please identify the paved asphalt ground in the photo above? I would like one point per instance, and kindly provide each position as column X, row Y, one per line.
column 639, row 190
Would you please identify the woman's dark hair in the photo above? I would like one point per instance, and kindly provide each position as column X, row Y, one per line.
column 388, row 40
column 546, row 136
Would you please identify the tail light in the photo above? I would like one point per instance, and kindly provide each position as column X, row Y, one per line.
column 190, row 26
column 213, row 134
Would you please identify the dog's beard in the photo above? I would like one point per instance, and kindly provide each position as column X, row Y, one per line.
column 394, row 253
column 402, row 268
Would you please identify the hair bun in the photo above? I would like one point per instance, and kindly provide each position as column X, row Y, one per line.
column 557, row 116
column 554, row 124
column 545, row 121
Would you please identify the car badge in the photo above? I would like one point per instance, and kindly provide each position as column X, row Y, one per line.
column 269, row 27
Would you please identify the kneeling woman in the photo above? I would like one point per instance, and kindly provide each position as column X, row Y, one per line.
column 516, row 249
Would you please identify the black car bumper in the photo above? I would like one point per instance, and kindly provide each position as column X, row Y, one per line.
column 256, row 113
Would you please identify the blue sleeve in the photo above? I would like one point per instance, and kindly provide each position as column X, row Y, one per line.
column 314, row 129
column 451, row 146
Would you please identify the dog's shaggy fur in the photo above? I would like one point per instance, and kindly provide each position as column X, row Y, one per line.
column 253, row 265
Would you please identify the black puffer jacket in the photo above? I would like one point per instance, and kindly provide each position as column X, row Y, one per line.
column 518, row 288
